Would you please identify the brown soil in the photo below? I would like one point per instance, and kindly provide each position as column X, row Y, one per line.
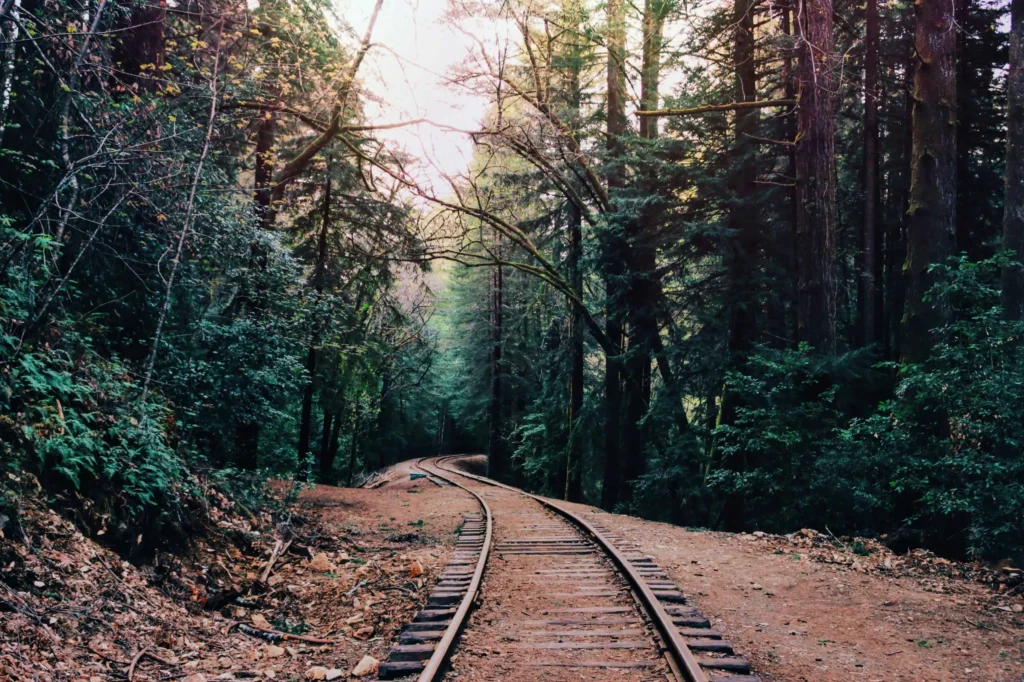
column 801, row 608
column 798, row 612
column 72, row 610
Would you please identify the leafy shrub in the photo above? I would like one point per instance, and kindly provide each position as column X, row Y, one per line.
column 79, row 427
column 954, row 428
column 784, row 455
column 937, row 464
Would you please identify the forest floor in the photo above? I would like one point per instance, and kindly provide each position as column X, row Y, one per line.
column 72, row 610
column 811, row 607
column 806, row 607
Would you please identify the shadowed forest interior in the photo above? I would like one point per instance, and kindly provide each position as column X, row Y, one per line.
column 737, row 264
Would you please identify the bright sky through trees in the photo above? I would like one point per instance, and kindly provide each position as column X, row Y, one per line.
column 415, row 51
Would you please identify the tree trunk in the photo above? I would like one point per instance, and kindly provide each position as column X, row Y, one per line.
column 744, row 243
column 263, row 171
column 789, row 128
column 495, row 442
column 815, row 178
column 899, row 205
column 306, row 420
column 574, row 447
column 325, row 439
column 616, row 127
column 641, row 258
column 743, row 221
column 869, row 280
column 353, row 445
column 247, row 441
column 384, row 419
column 143, row 44
column 1013, row 206
column 574, row 469
column 931, row 218
column 329, row 455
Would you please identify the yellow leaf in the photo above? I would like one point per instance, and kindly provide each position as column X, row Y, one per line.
column 172, row 118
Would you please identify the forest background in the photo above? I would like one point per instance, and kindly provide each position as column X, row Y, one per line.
column 742, row 265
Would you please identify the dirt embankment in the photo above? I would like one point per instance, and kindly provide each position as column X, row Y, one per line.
column 71, row 610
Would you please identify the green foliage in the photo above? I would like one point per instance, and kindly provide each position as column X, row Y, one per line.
column 92, row 209
column 953, row 429
column 783, row 452
column 939, row 461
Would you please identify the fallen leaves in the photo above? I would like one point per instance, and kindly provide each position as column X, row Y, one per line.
column 320, row 607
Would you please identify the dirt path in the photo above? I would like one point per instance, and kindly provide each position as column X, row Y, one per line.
column 798, row 620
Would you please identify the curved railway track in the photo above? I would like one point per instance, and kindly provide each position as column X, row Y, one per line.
column 565, row 598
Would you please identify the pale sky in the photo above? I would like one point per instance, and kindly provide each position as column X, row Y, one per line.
column 415, row 50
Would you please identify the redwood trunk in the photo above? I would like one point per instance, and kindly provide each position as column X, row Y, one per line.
column 264, row 169
column 325, row 442
column 931, row 217
column 614, row 323
column 642, row 258
column 574, row 469
column 306, row 420
column 495, row 444
column 330, row 453
column 744, row 242
column 815, row 179
column 869, row 289
column 1013, row 206
column 574, row 449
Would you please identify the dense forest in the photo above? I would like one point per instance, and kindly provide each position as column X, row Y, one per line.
column 739, row 264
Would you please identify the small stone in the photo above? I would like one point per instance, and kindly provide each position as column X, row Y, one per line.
column 756, row 587
column 317, row 672
column 334, row 674
column 367, row 666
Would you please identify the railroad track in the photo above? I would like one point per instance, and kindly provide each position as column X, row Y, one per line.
column 564, row 597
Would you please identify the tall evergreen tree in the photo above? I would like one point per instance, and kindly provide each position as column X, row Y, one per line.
column 931, row 225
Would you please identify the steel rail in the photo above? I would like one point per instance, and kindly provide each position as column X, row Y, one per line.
column 680, row 652
column 432, row 670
